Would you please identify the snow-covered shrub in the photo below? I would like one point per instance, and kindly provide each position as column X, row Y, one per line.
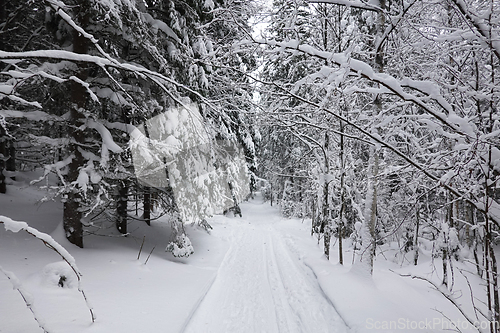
column 447, row 243
column 59, row 274
column 180, row 246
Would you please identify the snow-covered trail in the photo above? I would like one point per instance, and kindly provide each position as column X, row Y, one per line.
column 261, row 285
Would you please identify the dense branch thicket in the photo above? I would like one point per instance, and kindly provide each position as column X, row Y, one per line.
column 386, row 118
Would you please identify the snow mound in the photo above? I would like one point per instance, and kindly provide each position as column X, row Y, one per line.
column 60, row 275
column 180, row 247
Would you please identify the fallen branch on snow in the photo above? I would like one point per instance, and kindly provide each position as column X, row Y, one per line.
column 28, row 299
column 16, row 226
column 448, row 296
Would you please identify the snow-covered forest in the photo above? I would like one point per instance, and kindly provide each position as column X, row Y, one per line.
column 249, row 166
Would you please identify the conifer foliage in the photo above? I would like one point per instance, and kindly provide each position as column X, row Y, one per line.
column 77, row 79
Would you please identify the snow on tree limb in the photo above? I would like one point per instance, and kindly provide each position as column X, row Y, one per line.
column 106, row 136
column 58, row 7
column 494, row 214
column 103, row 63
column 359, row 4
column 357, row 67
column 27, row 297
column 16, row 226
column 20, row 100
column 56, row 167
column 449, row 296
column 30, row 115
column 485, row 30
column 86, row 86
column 29, row 73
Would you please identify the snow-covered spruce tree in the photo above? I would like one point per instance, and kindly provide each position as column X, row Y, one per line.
column 127, row 76
column 87, row 172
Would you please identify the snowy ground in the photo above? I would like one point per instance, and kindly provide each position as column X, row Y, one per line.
column 259, row 273
column 263, row 286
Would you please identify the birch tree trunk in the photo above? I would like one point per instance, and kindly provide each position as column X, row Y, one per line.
column 370, row 216
column 340, row 230
column 370, row 213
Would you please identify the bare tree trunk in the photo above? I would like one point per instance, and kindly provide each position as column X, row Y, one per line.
column 121, row 207
column 494, row 280
column 368, row 227
column 325, row 228
column 11, row 161
column 342, row 194
column 271, row 186
column 415, row 239
column 445, row 265
column 3, row 131
column 313, row 217
column 146, row 205
column 325, row 223
column 72, row 213
column 489, row 194
column 3, row 158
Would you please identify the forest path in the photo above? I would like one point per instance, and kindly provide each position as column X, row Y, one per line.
column 262, row 285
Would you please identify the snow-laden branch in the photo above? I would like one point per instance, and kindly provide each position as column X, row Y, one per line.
column 30, row 115
column 58, row 7
column 56, row 167
column 494, row 214
column 431, row 91
column 449, row 296
column 27, row 297
column 359, row 4
column 106, row 136
column 8, row 89
column 16, row 226
column 18, row 99
column 393, row 23
column 156, row 24
column 103, row 63
column 485, row 30
column 86, row 86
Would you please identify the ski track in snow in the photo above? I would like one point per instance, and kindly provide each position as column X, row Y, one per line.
column 263, row 286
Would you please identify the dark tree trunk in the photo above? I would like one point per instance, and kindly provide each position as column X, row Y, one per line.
column 3, row 137
column 325, row 221
column 3, row 158
column 72, row 214
column 11, row 162
column 146, row 205
column 3, row 18
column 271, row 186
column 415, row 239
column 121, row 208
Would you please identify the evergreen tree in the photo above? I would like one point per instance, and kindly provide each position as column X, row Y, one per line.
column 124, row 63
